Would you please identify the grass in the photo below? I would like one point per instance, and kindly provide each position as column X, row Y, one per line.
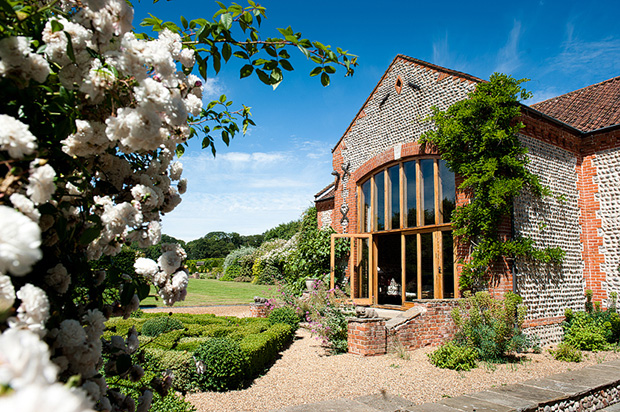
column 204, row 292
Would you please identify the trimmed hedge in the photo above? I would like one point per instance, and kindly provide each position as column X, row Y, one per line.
column 261, row 349
column 180, row 363
column 285, row 314
column 256, row 340
column 224, row 364
column 157, row 326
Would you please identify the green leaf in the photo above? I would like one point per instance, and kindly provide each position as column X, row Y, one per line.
column 143, row 290
column 276, row 78
column 180, row 150
column 226, row 21
column 241, row 55
column 246, row 70
column 217, row 64
column 56, row 25
column 202, row 66
column 70, row 48
column 330, row 69
column 284, row 54
column 325, row 79
column 226, row 51
column 305, row 51
column 184, row 22
column 89, row 235
column 316, row 71
column 226, row 137
column 263, row 76
column 286, row 65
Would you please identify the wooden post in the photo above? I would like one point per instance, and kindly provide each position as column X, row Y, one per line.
column 332, row 262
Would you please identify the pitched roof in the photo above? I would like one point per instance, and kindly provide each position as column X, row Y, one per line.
column 327, row 192
column 439, row 69
column 591, row 108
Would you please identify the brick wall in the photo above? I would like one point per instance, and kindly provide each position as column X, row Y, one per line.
column 367, row 336
column 431, row 328
column 582, row 169
column 391, row 122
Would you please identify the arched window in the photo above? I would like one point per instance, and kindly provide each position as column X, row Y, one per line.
column 406, row 207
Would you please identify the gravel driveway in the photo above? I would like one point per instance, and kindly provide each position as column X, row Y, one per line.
column 305, row 374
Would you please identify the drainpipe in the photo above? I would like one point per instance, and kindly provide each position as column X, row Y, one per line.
column 513, row 269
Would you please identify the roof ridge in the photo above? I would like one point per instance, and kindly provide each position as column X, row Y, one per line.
column 441, row 68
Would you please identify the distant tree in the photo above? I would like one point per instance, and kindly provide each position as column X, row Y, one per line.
column 283, row 231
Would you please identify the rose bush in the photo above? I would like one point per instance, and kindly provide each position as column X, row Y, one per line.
column 91, row 117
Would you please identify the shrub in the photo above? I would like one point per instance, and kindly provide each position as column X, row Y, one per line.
column 591, row 331
column 453, row 356
column 262, row 349
column 159, row 325
column 221, row 363
column 166, row 340
column 285, row 314
column 493, row 327
column 238, row 263
column 180, row 363
column 566, row 352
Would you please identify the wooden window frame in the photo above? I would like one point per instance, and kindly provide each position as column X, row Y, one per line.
column 437, row 228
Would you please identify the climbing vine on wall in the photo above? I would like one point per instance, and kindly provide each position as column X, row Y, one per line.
column 478, row 138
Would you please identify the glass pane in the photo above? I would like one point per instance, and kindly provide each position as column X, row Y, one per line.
column 395, row 193
column 428, row 190
column 389, row 273
column 361, row 271
column 448, row 265
column 448, row 191
column 380, row 212
column 428, row 284
column 411, row 269
column 365, row 201
column 410, row 193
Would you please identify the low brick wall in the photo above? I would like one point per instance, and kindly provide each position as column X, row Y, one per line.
column 258, row 310
column 367, row 336
column 429, row 323
column 430, row 328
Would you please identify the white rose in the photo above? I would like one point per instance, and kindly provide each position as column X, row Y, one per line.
column 20, row 241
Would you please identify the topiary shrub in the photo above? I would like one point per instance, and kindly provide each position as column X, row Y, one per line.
column 285, row 314
column 566, row 352
column 221, row 364
column 159, row 325
column 453, row 356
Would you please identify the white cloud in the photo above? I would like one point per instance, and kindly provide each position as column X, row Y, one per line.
column 508, row 57
column 248, row 192
column 212, row 89
column 441, row 52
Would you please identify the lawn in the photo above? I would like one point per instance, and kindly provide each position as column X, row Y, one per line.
column 203, row 292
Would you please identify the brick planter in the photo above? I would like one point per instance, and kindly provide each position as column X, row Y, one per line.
column 367, row 337
column 258, row 310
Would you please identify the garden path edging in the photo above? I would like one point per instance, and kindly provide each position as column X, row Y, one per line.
column 589, row 389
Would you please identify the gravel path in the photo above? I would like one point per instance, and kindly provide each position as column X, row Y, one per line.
column 304, row 374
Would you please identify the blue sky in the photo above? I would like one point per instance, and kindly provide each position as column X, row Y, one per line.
column 270, row 175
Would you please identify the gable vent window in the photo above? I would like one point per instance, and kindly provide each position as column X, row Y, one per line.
column 399, row 85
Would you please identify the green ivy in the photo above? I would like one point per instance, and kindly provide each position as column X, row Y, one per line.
column 478, row 138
